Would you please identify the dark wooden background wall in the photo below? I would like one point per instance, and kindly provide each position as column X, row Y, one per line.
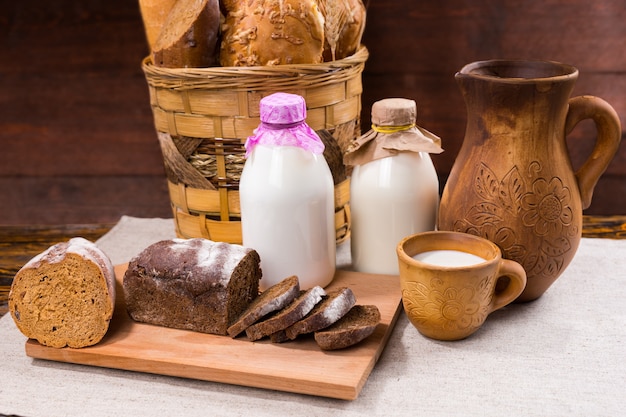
column 77, row 144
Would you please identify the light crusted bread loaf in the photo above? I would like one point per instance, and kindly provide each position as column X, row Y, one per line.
column 65, row 296
column 272, row 299
column 193, row 284
column 358, row 324
column 272, row 32
column 284, row 318
column 190, row 36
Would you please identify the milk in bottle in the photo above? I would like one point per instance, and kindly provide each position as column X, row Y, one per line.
column 394, row 188
column 287, row 196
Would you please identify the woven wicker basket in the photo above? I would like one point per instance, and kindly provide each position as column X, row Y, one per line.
column 204, row 115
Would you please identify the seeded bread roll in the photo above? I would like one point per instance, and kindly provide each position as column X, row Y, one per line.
column 272, row 32
column 194, row 284
column 334, row 306
column 272, row 299
column 358, row 324
column 64, row 296
column 189, row 38
column 284, row 318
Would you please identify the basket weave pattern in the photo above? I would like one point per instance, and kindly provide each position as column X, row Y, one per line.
column 204, row 115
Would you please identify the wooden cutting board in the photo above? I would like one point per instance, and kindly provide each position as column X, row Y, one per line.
column 298, row 366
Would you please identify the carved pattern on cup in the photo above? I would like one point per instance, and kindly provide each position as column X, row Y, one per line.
column 449, row 308
column 540, row 206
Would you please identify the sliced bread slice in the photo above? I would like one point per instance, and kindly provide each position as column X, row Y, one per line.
column 273, row 299
column 295, row 311
column 358, row 324
column 333, row 307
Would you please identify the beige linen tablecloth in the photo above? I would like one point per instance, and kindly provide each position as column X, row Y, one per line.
column 562, row 355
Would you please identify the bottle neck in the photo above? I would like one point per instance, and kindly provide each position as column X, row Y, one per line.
column 279, row 126
column 392, row 129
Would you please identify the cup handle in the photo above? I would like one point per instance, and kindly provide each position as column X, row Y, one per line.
column 517, row 282
column 609, row 130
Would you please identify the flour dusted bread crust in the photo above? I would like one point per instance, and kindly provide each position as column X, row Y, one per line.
column 65, row 296
column 190, row 36
column 358, row 324
column 272, row 299
column 193, row 284
column 284, row 318
column 272, row 32
column 333, row 306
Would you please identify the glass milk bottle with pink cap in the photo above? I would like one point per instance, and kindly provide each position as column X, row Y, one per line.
column 287, row 196
column 394, row 189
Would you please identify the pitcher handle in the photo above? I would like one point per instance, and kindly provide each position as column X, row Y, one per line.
column 609, row 130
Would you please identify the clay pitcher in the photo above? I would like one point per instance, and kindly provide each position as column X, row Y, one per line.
column 512, row 181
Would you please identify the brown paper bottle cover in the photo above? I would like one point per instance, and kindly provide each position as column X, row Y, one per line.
column 393, row 130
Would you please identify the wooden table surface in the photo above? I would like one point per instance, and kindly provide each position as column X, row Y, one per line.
column 20, row 243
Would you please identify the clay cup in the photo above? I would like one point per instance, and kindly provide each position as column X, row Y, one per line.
column 449, row 298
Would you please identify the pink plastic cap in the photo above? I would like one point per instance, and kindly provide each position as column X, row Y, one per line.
column 283, row 124
column 282, row 108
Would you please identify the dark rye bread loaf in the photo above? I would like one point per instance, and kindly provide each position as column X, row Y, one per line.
column 358, row 324
column 64, row 296
column 194, row 284
column 272, row 299
column 333, row 306
column 284, row 318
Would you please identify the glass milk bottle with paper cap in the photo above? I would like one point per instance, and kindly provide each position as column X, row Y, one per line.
column 287, row 196
column 394, row 188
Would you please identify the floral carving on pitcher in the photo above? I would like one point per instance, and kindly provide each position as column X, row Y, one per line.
column 447, row 307
column 539, row 206
column 546, row 209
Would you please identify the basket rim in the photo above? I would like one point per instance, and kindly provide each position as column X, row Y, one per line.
column 294, row 70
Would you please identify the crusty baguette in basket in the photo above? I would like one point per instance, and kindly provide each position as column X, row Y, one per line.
column 154, row 13
column 190, row 35
column 344, row 23
column 254, row 32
